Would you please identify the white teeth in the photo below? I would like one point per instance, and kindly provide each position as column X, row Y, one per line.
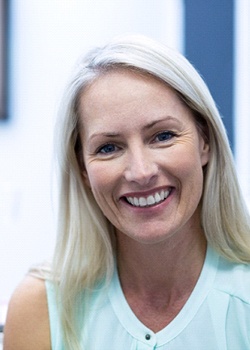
column 166, row 194
column 157, row 198
column 142, row 202
column 162, row 195
column 148, row 201
column 136, row 201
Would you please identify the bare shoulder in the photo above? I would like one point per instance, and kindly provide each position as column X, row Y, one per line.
column 27, row 324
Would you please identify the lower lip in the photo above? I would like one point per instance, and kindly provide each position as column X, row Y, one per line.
column 152, row 208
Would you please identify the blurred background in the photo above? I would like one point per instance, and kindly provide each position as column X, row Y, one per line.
column 41, row 42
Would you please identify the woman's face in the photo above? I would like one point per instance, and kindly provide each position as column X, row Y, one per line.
column 143, row 156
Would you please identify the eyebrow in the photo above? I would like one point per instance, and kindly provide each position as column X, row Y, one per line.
column 146, row 127
column 153, row 123
column 106, row 134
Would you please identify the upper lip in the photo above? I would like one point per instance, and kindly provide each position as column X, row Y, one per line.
column 146, row 193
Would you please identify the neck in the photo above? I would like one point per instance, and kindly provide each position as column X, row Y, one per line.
column 172, row 266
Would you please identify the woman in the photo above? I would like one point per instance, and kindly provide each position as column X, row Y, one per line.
column 153, row 245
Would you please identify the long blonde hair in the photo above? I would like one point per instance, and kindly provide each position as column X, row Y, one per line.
column 85, row 245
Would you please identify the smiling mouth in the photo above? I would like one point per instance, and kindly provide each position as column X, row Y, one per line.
column 150, row 200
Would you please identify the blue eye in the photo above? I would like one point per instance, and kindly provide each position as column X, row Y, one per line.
column 164, row 136
column 109, row 148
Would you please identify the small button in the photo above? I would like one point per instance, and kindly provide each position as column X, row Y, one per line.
column 147, row 336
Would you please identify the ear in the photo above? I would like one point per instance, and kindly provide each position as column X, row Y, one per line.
column 204, row 151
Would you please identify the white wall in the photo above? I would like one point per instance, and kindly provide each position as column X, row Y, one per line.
column 47, row 37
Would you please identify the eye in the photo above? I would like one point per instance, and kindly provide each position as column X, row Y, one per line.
column 108, row 148
column 164, row 136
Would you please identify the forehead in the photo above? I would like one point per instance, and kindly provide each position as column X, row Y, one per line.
column 124, row 100
column 123, row 87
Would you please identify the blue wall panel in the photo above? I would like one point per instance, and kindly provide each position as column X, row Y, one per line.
column 209, row 28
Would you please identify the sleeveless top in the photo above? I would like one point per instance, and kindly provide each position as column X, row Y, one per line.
column 215, row 317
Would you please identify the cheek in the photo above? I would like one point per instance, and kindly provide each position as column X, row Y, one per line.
column 99, row 179
column 189, row 171
column 193, row 188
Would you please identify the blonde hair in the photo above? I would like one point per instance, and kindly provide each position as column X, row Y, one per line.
column 85, row 245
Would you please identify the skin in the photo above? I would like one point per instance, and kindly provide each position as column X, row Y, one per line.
column 27, row 324
column 139, row 139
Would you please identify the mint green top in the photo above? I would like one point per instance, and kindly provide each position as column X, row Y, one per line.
column 215, row 317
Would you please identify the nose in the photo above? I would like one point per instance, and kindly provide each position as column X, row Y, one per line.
column 141, row 167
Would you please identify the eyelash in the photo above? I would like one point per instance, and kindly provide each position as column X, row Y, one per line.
column 100, row 150
column 170, row 135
